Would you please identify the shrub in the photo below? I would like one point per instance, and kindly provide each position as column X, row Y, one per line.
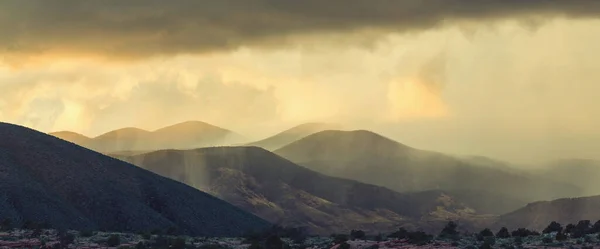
column 339, row 238
column 449, row 230
column 523, row 232
column 113, row 240
column 485, row 233
column 344, row 245
column 357, row 234
column 553, row 227
column 561, row 236
column 178, row 243
column 547, row 240
column 141, row 245
column 419, row 238
column 569, row 228
column 86, row 233
column 400, row 234
column 503, row 233
column 65, row 238
column 378, row 237
column 6, row 224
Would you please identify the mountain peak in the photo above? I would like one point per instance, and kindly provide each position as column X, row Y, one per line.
column 290, row 135
column 191, row 125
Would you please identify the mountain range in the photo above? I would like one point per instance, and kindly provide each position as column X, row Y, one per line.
column 331, row 180
column 282, row 192
column 371, row 158
column 48, row 180
column 186, row 135
column 288, row 136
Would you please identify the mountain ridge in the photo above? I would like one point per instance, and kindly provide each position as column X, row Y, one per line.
column 46, row 179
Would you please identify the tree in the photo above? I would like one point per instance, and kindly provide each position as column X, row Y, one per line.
column 503, row 233
column 553, row 227
column 581, row 229
column 561, row 236
column 485, row 233
column 357, row 234
column 402, row 233
column 273, row 242
column 419, row 238
column 596, row 227
column 113, row 240
column 449, row 231
column 523, row 232
column 6, row 224
column 569, row 228
column 339, row 238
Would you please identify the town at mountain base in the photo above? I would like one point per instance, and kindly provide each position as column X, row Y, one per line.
column 583, row 235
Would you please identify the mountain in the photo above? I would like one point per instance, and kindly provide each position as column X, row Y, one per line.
column 72, row 137
column 583, row 173
column 47, row 180
column 371, row 158
column 280, row 191
column 285, row 137
column 186, row 135
column 564, row 211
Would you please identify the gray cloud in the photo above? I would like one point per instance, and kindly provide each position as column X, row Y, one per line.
column 155, row 27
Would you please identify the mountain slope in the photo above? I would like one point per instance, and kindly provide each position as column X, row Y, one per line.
column 371, row 158
column 45, row 179
column 72, row 137
column 285, row 137
column 282, row 192
column 564, row 211
column 583, row 173
column 186, row 135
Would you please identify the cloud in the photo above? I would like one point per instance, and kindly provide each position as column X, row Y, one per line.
column 142, row 28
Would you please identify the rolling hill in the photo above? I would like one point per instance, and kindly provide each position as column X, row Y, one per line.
column 47, row 180
column 280, row 191
column 371, row 158
column 186, row 135
column 564, row 211
column 285, row 137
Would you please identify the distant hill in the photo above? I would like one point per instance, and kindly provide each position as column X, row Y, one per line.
column 44, row 179
column 564, row 211
column 72, row 137
column 186, row 135
column 285, row 137
column 583, row 173
column 282, row 192
column 371, row 158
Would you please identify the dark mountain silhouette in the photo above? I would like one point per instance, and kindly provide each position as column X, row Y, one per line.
column 44, row 179
column 583, row 173
column 282, row 192
column 186, row 135
column 72, row 137
column 371, row 158
column 285, row 137
column 564, row 211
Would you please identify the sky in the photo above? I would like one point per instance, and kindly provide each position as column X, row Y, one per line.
column 514, row 80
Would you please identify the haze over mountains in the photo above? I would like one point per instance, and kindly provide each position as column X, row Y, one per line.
column 371, row 158
column 332, row 181
column 285, row 137
column 281, row 192
column 190, row 134
column 47, row 180
column 539, row 214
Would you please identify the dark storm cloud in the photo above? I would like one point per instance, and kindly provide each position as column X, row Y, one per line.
column 154, row 27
